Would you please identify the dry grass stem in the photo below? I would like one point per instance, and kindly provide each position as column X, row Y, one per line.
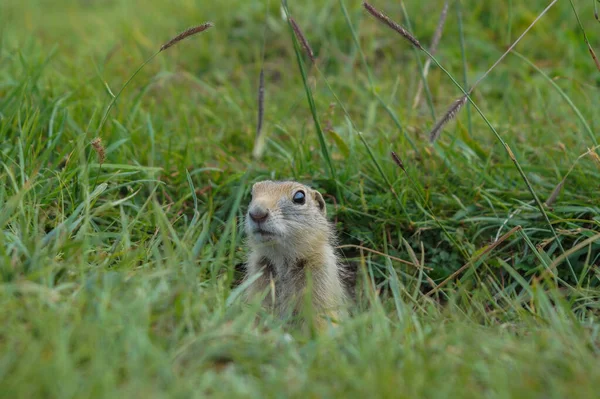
column 187, row 33
column 99, row 149
column 259, row 140
column 448, row 116
column 393, row 25
column 554, row 195
column 512, row 46
column 302, row 39
column 437, row 36
column 383, row 254
column 594, row 155
column 510, row 153
column 479, row 254
column 593, row 54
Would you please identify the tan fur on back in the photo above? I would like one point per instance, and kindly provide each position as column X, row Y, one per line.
column 293, row 249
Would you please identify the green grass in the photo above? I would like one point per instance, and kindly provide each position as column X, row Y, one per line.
column 120, row 279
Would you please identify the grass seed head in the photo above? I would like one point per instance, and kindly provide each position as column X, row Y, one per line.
column 386, row 20
column 437, row 36
column 554, row 195
column 99, row 149
column 448, row 116
column 302, row 39
column 187, row 33
column 259, row 139
column 261, row 102
column 398, row 161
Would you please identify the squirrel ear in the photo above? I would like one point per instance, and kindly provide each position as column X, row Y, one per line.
column 320, row 201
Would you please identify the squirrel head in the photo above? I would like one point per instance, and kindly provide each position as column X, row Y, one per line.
column 287, row 216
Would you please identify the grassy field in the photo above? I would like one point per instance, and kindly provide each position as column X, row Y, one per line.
column 119, row 265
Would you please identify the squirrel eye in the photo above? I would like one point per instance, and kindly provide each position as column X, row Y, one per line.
column 299, row 198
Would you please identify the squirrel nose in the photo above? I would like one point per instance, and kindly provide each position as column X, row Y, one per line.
column 258, row 214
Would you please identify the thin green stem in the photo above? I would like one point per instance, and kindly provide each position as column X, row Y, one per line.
column 366, row 144
column 463, row 251
column 463, row 53
column 564, row 95
column 514, row 44
column 421, row 65
column 587, row 42
column 370, row 78
column 114, row 99
column 311, row 103
column 510, row 154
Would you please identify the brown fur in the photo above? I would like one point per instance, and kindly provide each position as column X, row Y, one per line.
column 293, row 248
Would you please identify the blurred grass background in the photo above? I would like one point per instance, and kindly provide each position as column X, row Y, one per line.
column 120, row 279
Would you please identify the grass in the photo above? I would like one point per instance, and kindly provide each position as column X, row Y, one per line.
column 119, row 276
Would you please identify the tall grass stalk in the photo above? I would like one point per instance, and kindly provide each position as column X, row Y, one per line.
column 499, row 137
column 463, row 54
column 309, row 96
column 585, row 38
column 184, row 35
column 385, row 106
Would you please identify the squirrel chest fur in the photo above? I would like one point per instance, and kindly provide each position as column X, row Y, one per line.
column 291, row 247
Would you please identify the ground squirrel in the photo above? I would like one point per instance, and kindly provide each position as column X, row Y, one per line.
column 290, row 239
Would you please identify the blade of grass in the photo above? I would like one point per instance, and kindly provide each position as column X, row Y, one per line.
column 432, row 48
column 475, row 258
column 463, row 54
column 311, row 102
column 585, row 38
column 390, row 112
column 498, row 136
column 416, row 187
column 187, row 33
column 564, row 95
